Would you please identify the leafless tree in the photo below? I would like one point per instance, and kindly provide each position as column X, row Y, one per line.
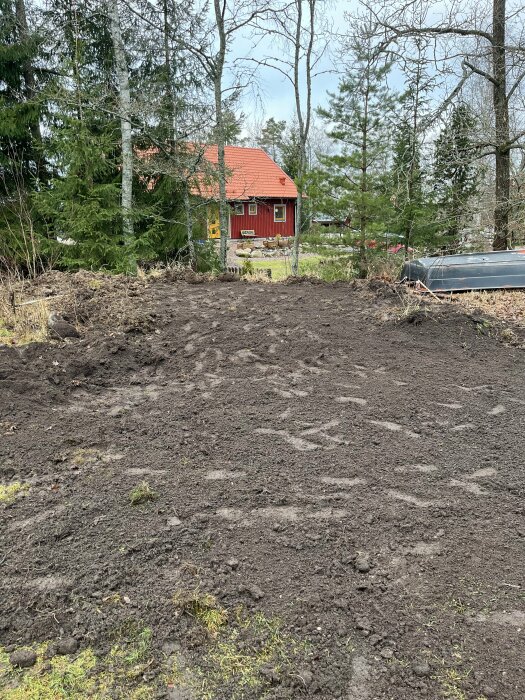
column 299, row 27
column 229, row 18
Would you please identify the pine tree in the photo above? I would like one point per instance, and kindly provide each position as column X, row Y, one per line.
column 272, row 138
column 232, row 126
column 456, row 173
column 80, row 210
column 291, row 151
column 361, row 114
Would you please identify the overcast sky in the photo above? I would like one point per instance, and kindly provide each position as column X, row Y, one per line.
column 271, row 94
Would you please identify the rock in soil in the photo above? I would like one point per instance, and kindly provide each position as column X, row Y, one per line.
column 362, row 563
column 255, row 592
column 421, row 669
column 23, row 658
column 68, row 645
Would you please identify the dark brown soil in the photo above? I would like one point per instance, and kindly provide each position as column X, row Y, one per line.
column 357, row 477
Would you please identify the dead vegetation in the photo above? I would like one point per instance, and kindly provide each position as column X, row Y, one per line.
column 23, row 324
column 505, row 304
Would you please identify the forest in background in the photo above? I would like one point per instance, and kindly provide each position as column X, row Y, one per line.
column 422, row 141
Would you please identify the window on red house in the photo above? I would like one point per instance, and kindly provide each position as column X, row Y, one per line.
column 252, row 208
column 279, row 212
column 238, row 208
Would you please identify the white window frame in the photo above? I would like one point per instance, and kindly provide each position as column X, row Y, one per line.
column 236, row 207
column 252, row 206
column 275, row 219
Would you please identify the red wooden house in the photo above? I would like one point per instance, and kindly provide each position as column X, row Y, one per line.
column 261, row 196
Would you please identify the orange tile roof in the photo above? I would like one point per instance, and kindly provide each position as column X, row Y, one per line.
column 250, row 173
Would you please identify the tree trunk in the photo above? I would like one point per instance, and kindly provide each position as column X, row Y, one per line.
column 185, row 171
column 501, row 118
column 363, row 185
column 121, row 68
column 224, row 215
column 29, row 80
column 220, row 136
column 169, row 74
column 303, row 121
column 189, row 226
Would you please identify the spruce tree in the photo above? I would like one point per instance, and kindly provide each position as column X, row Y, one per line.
column 353, row 179
column 22, row 165
column 456, row 174
column 20, row 110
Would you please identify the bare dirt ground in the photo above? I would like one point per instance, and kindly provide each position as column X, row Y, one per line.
column 339, row 508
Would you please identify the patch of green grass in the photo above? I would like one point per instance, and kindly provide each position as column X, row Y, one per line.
column 142, row 493
column 451, row 681
column 281, row 269
column 62, row 678
column 85, row 676
column 237, row 657
column 330, row 267
column 9, row 492
column 136, row 648
column 203, row 607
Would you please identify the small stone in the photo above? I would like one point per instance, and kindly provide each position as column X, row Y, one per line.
column 255, row 592
column 387, row 653
column 362, row 563
column 363, row 623
column 23, row 658
column 51, row 650
column 68, row 645
column 421, row 669
column 488, row 691
column 233, row 563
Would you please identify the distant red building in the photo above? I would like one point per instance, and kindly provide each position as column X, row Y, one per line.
column 261, row 196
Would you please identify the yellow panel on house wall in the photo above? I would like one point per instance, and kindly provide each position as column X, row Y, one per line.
column 214, row 226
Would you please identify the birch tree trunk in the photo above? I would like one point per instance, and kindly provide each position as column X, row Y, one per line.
column 219, row 121
column 303, row 113
column 184, row 170
column 124, row 96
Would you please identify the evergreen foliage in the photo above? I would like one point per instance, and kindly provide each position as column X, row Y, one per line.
column 414, row 213
column 351, row 182
column 272, row 138
column 456, row 173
